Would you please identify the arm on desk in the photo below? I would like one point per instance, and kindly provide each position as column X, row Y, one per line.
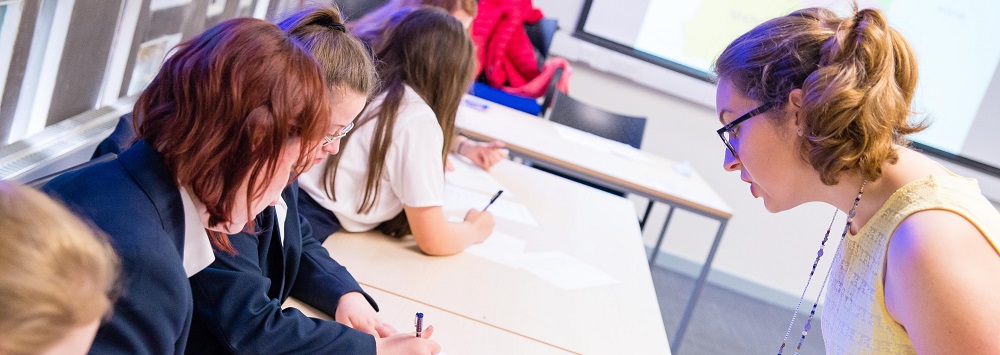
column 436, row 236
column 483, row 154
column 326, row 285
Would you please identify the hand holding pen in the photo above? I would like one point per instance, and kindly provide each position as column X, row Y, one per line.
column 407, row 343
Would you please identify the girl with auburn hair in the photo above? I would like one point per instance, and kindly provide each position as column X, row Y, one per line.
column 57, row 276
column 372, row 30
column 390, row 175
column 815, row 108
column 222, row 129
column 238, row 298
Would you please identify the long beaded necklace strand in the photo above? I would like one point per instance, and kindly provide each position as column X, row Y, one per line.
column 819, row 254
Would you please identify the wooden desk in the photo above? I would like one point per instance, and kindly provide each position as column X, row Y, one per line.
column 598, row 160
column 590, row 225
column 457, row 334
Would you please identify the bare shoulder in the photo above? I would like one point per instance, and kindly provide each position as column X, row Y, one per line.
column 940, row 283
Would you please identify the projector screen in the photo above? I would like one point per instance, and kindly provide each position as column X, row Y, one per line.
column 955, row 43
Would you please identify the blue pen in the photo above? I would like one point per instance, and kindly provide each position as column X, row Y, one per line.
column 492, row 200
column 419, row 323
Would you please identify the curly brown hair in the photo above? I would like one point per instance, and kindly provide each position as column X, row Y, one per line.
column 857, row 77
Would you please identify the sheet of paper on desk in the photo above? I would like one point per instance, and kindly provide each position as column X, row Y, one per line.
column 501, row 248
column 565, row 271
column 582, row 138
column 461, row 199
column 471, row 177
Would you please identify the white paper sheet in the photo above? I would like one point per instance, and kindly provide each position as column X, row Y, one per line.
column 501, row 248
column 461, row 199
column 471, row 177
column 565, row 271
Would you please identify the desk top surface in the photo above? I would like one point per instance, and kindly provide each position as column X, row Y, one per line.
column 600, row 158
column 597, row 228
column 456, row 334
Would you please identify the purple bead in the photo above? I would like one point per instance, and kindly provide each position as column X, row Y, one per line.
column 820, row 252
column 808, row 326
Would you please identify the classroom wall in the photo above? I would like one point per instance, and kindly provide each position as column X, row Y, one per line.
column 763, row 255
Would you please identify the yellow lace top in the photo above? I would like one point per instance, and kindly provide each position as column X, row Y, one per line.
column 855, row 319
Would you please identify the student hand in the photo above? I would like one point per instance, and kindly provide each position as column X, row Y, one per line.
column 408, row 344
column 485, row 155
column 353, row 310
column 482, row 220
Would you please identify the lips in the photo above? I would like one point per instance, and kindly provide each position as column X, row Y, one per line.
column 753, row 191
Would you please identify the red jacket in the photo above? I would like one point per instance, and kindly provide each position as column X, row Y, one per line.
column 503, row 49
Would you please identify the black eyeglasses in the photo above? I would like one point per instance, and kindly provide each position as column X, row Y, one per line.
column 727, row 131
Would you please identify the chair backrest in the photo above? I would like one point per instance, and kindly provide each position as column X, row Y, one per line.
column 621, row 128
column 39, row 182
column 540, row 34
column 550, row 92
column 355, row 9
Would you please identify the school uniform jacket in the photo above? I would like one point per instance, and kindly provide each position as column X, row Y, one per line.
column 135, row 201
column 238, row 298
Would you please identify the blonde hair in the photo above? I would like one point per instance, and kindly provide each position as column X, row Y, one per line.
column 857, row 76
column 55, row 273
column 345, row 61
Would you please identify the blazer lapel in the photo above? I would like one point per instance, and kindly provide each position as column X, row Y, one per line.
column 147, row 168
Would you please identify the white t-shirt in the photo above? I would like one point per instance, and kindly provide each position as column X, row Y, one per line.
column 413, row 174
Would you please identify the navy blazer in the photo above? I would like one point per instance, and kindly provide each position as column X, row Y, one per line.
column 135, row 201
column 238, row 298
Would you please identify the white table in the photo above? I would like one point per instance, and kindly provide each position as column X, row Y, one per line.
column 592, row 226
column 456, row 334
column 602, row 161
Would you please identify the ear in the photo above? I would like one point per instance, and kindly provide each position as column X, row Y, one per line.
column 794, row 109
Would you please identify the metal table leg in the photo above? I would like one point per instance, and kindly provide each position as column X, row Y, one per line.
column 663, row 232
column 675, row 342
column 645, row 215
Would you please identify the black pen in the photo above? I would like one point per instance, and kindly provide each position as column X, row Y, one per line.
column 492, row 200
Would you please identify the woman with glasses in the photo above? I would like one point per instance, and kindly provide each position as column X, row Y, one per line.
column 815, row 107
column 390, row 174
column 238, row 298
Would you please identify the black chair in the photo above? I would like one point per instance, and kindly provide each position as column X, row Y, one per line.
column 355, row 9
column 39, row 182
column 620, row 128
column 540, row 34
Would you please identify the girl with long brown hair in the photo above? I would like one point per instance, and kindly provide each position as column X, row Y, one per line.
column 372, row 29
column 390, row 174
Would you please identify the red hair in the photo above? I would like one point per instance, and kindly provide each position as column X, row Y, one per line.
column 223, row 107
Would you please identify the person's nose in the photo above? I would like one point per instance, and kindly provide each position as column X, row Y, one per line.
column 731, row 162
column 332, row 148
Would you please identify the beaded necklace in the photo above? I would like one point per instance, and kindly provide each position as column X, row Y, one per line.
column 812, row 313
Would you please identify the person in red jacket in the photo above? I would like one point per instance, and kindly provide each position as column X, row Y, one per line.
column 505, row 55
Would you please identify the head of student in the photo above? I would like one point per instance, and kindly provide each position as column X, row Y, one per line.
column 346, row 65
column 811, row 96
column 57, row 277
column 372, row 26
column 235, row 112
column 427, row 50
